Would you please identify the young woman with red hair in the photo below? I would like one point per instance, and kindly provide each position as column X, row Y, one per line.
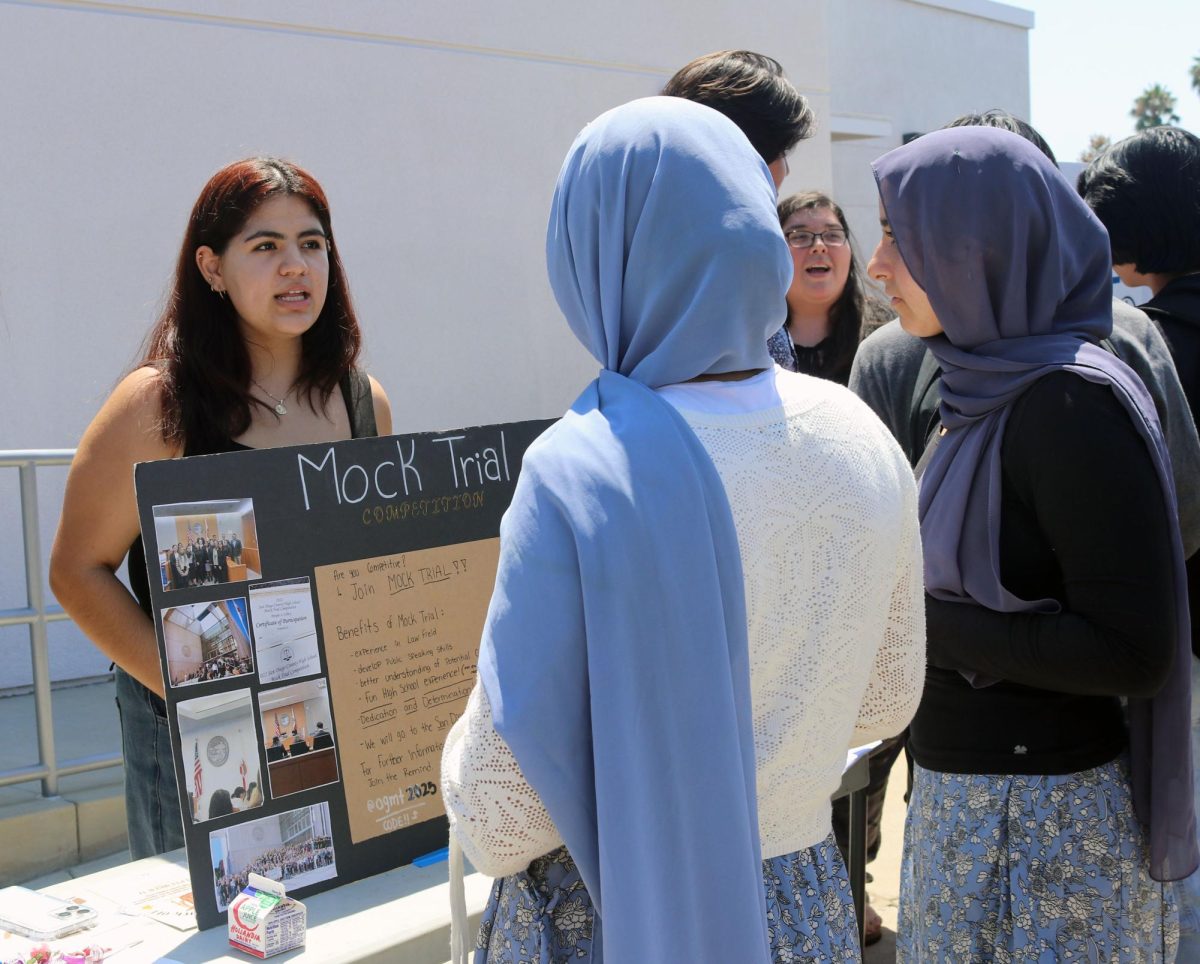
column 256, row 348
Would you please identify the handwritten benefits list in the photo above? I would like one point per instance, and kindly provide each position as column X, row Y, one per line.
column 401, row 640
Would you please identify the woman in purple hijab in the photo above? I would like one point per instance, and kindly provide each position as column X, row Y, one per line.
column 1046, row 820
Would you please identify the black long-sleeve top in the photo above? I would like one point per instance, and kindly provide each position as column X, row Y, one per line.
column 1084, row 522
column 1176, row 311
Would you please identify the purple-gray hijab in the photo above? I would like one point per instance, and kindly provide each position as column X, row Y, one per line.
column 1018, row 271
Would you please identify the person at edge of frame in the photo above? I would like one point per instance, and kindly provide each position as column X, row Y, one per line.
column 1145, row 190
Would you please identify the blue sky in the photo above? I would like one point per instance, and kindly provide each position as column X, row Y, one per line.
column 1089, row 59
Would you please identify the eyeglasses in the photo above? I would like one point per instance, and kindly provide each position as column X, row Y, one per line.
column 830, row 237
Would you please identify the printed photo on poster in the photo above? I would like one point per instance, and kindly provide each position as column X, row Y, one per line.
column 219, row 744
column 207, row 641
column 297, row 732
column 206, row 543
column 295, row 848
column 285, row 630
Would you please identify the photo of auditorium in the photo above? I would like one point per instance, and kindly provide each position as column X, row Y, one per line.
column 294, row 847
column 206, row 543
column 297, row 730
column 219, row 745
column 207, row 641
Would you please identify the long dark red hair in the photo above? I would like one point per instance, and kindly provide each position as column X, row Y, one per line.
column 197, row 344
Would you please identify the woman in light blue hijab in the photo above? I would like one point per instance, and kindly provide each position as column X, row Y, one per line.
column 616, row 663
column 667, row 260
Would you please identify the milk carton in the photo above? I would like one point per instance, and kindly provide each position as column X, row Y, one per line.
column 264, row 921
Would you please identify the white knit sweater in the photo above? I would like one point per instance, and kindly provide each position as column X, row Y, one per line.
column 825, row 509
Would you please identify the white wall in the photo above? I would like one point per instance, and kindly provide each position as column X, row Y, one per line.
column 437, row 131
column 436, row 134
column 900, row 66
column 177, row 637
column 248, row 840
column 317, row 711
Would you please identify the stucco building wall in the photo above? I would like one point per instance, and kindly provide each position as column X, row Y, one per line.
column 437, row 132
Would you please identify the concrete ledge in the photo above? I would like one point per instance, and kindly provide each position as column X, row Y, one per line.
column 100, row 821
column 37, row 837
column 40, row 835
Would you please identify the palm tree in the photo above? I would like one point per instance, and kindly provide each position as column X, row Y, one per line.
column 1195, row 72
column 1097, row 145
column 1155, row 107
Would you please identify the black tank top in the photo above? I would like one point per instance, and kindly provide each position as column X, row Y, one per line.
column 356, row 393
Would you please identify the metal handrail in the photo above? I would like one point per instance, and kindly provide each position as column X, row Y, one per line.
column 9, row 458
column 36, row 614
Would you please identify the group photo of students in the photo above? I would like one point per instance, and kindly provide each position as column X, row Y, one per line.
column 295, row 847
column 283, row 864
column 939, row 498
column 201, row 563
column 206, row 543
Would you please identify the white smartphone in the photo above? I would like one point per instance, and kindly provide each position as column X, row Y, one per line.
column 40, row 916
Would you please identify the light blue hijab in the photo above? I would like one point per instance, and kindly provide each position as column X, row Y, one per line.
column 615, row 652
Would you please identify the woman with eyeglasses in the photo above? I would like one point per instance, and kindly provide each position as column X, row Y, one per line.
column 828, row 306
column 1051, row 801
column 256, row 348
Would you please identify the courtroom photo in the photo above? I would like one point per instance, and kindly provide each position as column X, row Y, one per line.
column 206, row 543
column 207, row 641
column 294, row 848
column 297, row 730
column 285, row 630
column 219, row 744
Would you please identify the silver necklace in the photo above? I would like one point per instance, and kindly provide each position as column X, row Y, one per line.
column 280, row 408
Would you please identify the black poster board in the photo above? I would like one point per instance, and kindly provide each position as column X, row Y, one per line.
column 318, row 612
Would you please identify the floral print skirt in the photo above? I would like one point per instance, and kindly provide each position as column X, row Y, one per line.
column 543, row 915
column 1013, row 868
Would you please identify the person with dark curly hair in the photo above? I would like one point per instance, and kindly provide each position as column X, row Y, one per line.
column 751, row 90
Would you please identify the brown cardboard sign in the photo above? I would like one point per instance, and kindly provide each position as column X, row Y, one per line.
column 402, row 636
